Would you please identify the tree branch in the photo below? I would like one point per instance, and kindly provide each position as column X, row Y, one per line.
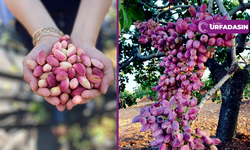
column 199, row 2
column 241, row 1
column 159, row 7
column 231, row 70
column 242, row 7
column 132, row 54
column 214, row 68
column 223, row 9
column 122, row 32
column 129, row 60
column 241, row 40
column 163, row 22
column 214, row 89
column 243, row 59
column 210, row 6
column 156, row 7
column 147, row 57
column 172, row 8
column 140, row 57
column 234, row 65
column 247, row 68
column 126, row 64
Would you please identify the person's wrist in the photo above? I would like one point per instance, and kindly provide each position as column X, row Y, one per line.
column 47, row 41
column 80, row 41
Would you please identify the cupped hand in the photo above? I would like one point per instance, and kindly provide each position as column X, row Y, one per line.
column 45, row 43
column 108, row 73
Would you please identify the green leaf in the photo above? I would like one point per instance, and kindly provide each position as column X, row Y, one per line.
column 136, row 1
column 136, row 12
column 120, row 5
column 127, row 20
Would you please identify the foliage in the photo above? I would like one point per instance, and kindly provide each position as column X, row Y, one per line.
column 145, row 91
column 98, row 130
column 130, row 100
column 124, row 94
column 126, row 98
column 129, row 10
column 209, row 84
column 38, row 109
column 122, row 103
column 145, row 72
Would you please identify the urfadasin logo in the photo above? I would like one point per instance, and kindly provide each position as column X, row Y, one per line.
column 202, row 26
column 223, row 26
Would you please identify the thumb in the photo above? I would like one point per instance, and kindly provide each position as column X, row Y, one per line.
column 29, row 78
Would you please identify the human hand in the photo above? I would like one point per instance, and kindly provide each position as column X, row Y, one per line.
column 108, row 73
column 45, row 44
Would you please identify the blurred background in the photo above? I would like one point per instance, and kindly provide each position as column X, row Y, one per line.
column 28, row 122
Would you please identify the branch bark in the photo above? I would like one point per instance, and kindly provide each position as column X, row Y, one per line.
column 126, row 63
column 223, row 9
column 214, row 89
column 199, row 2
column 241, row 40
column 248, row 68
column 147, row 57
column 234, row 65
column 242, row 7
column 159, row 7
column 156, row 7
column 172, row 8
column 244, row 61
column 140, row 57
column 210, row 6
column 231, row 70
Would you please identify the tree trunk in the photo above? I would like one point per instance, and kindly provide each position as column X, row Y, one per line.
column 231, row 91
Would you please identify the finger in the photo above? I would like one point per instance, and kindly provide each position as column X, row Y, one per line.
column 108, row 77
column 63, row 101
column 29, row 78
column 69, row 104
column 84, row 101
column 43, row 92
column 64, row 98
column 46, row 98
column 91, row 94
column 60, row 107
column 77, row 100
column 52, row 100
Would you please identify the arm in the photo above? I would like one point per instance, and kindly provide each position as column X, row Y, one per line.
column 89, row 19
column 85, row 32
column 31, row 13
column 33, row 16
